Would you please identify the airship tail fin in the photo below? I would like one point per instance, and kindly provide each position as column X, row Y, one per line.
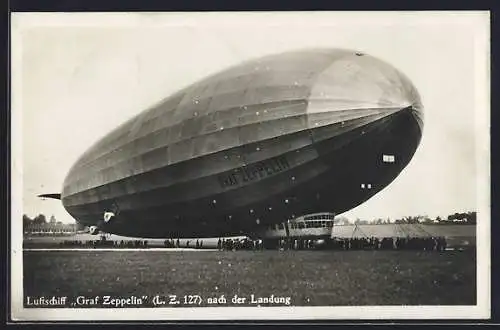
column 54, row 196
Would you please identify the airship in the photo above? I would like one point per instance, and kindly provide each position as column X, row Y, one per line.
column 270, row 139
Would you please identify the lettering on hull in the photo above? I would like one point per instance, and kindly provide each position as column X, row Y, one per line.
column 253, row 172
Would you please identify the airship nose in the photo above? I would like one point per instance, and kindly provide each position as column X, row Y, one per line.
column 418, row 114
column 358, row 85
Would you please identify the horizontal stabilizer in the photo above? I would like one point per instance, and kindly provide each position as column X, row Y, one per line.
column 54, row 196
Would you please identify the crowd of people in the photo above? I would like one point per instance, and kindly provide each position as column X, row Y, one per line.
column 228, row 244
column 137, row 244
column 390, row 243
column 171, row 243
column 298, row 244
column 105, row 243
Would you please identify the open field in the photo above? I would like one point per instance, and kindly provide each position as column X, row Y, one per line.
column 310, row 278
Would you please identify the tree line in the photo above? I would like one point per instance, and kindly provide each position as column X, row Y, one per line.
column 463, row 218
column 455, row 218
column 39, row 220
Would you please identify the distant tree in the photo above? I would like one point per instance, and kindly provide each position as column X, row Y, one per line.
column 464, row 217
column 471, row 217
column 52, row 219
column 438, row 219
column 39, row 219
column 26, row 221
column 426, row 219
column 412, row 219
column 409, row 219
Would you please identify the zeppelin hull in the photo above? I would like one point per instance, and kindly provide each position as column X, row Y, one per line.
column 256, row 144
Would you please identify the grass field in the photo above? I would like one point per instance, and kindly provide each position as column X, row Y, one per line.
column 310, row 278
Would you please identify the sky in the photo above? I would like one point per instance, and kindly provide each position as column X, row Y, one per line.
column 77, row 76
